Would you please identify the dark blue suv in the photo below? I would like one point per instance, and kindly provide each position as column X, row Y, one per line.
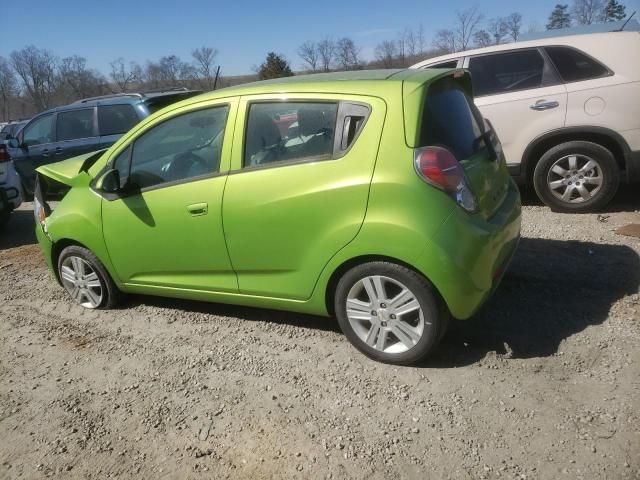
column 84, row 126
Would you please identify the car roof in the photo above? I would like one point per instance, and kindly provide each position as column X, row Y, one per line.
column 356, row 82
column 569, row 40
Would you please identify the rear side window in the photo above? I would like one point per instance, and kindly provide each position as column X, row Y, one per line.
column 116, row 119
column 573, row 65
column 75, row 124
column 508, row 72
column 289, row 131
column 450, row 120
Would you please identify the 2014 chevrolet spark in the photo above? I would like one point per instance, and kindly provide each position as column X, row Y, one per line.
column 380, row 197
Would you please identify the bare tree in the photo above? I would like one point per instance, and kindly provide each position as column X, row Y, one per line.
column 513, row 24
column 347, row 54
column 445, row 40
column 169, row 72
column 586, row 12
column 497, row 28
column 411, row 42
column 8, row 87
column 122, row 76
column 309, row 54
column 204, row 69
column 467, row 23
column 420, row 40
column 482, row 38
column 386, row 53
column 78, row 80
column 326, row 53
column 37, row 71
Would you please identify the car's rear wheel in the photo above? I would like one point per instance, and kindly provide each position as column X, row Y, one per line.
column 576, row 177
column 85, row 279
column 389, row 312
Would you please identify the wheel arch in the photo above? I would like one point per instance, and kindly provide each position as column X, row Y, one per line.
column 347, row 265
column 609, row 139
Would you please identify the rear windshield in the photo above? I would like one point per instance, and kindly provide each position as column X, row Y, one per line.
column 451, row 120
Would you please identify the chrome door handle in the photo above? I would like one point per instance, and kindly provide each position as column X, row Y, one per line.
column 544, row 105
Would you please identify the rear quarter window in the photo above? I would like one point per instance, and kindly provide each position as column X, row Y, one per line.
column 574, row 66
column 450, row 120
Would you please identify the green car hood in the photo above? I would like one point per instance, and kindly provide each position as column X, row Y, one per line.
column 67, row 170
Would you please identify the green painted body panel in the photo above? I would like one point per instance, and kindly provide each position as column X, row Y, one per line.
column 274, row 237
column 283, row 224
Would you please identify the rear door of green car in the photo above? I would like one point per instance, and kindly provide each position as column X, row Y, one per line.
column 298, row 187
column 167, row 232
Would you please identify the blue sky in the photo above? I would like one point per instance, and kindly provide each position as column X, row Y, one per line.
column 242, row 31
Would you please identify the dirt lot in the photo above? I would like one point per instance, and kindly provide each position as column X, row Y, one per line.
column 543, row 383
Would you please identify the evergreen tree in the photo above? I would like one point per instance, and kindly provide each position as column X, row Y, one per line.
column 614, row 11
column 274, row 67
column 559, row 17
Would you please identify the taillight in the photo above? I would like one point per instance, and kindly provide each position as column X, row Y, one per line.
column 439, row 167
column 4, row 155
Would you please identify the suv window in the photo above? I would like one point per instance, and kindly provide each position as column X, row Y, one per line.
column 182, row 147
column 75, row 124
column 39, row 132
column 507, row 72
column 116, row 119
column 447, row 64
column 447, row 105
column 289, row 131
column 573, row 65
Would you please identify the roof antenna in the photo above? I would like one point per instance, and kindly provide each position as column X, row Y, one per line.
column 625, row 23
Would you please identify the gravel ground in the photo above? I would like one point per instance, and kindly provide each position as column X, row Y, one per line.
column 544, row 382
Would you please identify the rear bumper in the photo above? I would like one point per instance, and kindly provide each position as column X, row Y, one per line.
column 483, row 250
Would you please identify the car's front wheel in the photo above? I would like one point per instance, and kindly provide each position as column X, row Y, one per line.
column 85, row 279
column 389, row 312
column 576, row 177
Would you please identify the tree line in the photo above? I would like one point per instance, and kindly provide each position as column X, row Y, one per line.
column 470, row 29
column 34, row 79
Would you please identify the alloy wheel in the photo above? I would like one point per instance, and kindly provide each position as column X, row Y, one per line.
column 575, row 178
column 81, row 281
column 385, row 314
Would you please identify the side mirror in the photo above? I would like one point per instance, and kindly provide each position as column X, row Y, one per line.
column 13, row 143
column 110, row 181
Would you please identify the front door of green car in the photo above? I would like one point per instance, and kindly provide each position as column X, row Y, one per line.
column 167, row 230
column 298, row 190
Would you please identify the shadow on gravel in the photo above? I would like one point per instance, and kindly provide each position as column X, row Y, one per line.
column 626, row 200
column 19, row 231
column 552, row 290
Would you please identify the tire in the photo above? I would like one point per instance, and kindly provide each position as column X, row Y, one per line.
column 374, row 334
column 600, row 181
column 96, row 288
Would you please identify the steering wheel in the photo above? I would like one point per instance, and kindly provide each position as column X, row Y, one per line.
column 182, row 163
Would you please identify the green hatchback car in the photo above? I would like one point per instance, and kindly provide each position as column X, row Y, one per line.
column 380, row 197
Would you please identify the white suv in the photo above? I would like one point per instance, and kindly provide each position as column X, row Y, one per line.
column 567, row 110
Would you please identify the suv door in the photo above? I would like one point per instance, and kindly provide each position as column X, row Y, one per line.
column 36, row 148
column 76, row 133
column 298, row 192
column 520, row 93
column 114, row 121
column 165, row 229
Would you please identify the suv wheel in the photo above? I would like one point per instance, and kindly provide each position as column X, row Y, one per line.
column 389, row 312
column 85, row 278
column 576, row 177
